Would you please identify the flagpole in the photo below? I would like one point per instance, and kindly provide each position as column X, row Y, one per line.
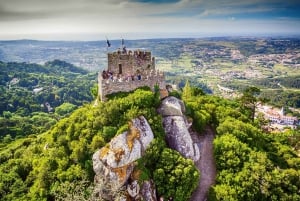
column 108, row 44
column 122, row 42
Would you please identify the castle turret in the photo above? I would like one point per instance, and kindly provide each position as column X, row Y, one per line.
column 128, row 70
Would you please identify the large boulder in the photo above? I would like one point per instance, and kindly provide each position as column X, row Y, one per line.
column 176, row 128
column 114, row 163
column 171, row 106
column 129, row 146
column 178, row 137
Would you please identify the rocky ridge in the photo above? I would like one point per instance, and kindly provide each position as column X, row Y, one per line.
column 177, row 128
column 114, row 164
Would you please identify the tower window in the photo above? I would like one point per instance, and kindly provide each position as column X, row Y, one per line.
column 120, row 68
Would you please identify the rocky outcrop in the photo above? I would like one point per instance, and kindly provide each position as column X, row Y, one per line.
column 145, row 191
column 133, row 189
column 148, row 192
column 114, row 163
column 176, row 128
column 171, row 106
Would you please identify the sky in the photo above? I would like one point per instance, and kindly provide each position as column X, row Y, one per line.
column 133, row 19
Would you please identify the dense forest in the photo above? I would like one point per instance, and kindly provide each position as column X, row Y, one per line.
column 41, row 166
column 34, row 97
column 251, row 164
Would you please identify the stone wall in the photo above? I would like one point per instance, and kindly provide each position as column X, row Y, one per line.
column 130, row 62
column 128, row 70
column 108, row 86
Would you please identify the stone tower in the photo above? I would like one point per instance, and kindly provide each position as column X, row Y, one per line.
column 128, row 70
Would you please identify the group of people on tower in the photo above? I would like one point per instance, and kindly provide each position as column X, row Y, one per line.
column 108, row 75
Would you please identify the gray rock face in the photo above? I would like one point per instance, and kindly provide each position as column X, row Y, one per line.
column 133, row 189
column 114, row 163
column 129, row 146
column 144, row 191
column 176, row 128
column 171, row 106
column 148, row 191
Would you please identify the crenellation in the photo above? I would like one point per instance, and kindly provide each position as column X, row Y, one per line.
column 128, row 70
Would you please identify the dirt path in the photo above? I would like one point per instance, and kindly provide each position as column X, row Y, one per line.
column 206, row 164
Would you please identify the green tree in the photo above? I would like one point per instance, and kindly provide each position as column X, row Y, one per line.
column 7, row 114
column 65, row 108
column 175, row 176
column 230, row 153
column 250, row 100
column 94, row 90
column 187, row 91
column 7, row 138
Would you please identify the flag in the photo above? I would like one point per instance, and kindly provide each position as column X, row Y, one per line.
column 108, row 43
column 122, row 42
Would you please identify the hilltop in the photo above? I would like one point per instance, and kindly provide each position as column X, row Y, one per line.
column 251, row 164
column 56, row 144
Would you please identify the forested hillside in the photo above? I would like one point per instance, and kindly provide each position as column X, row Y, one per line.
column 251, row 164
column 283, row 91
column 269, row 63
column 43, row 166
column 34, row 97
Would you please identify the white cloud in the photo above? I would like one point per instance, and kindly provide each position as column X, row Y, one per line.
column 56, row 17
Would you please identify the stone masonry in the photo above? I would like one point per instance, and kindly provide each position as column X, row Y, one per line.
column 128, row 70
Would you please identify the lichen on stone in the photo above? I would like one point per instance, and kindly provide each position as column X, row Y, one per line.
column 118, row 154
column 104, row 151
column 132, row 134
column 121, row 172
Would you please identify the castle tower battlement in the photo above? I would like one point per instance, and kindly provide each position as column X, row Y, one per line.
column 130, row 62
column 128, row 70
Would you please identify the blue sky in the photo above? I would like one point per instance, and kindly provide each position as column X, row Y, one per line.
column 95, row 19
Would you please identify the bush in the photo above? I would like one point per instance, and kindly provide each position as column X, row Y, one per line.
column 175, row 176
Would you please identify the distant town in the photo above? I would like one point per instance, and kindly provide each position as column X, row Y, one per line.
column 277, row 119
column 223, row 65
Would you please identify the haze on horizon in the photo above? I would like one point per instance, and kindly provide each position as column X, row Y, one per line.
column 94, row 20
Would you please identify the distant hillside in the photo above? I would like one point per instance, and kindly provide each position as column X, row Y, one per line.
column 88, row 55
column 31, row 91
column 279, row 91
column 91, row 55
column 233, row 62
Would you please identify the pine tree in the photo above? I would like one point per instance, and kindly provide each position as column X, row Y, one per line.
column 186, row 91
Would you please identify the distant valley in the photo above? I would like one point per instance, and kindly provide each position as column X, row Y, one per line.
column 272, row 64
